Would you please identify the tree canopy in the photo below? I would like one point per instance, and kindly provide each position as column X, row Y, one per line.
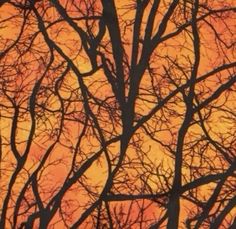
column 117, row 114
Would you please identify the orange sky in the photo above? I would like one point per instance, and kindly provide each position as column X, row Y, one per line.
column 97, row 174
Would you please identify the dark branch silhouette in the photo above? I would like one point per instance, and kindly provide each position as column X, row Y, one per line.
column 117, row 114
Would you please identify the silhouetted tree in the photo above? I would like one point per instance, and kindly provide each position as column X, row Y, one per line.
column 117, row 114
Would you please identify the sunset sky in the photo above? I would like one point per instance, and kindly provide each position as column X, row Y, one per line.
column 76, row 136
